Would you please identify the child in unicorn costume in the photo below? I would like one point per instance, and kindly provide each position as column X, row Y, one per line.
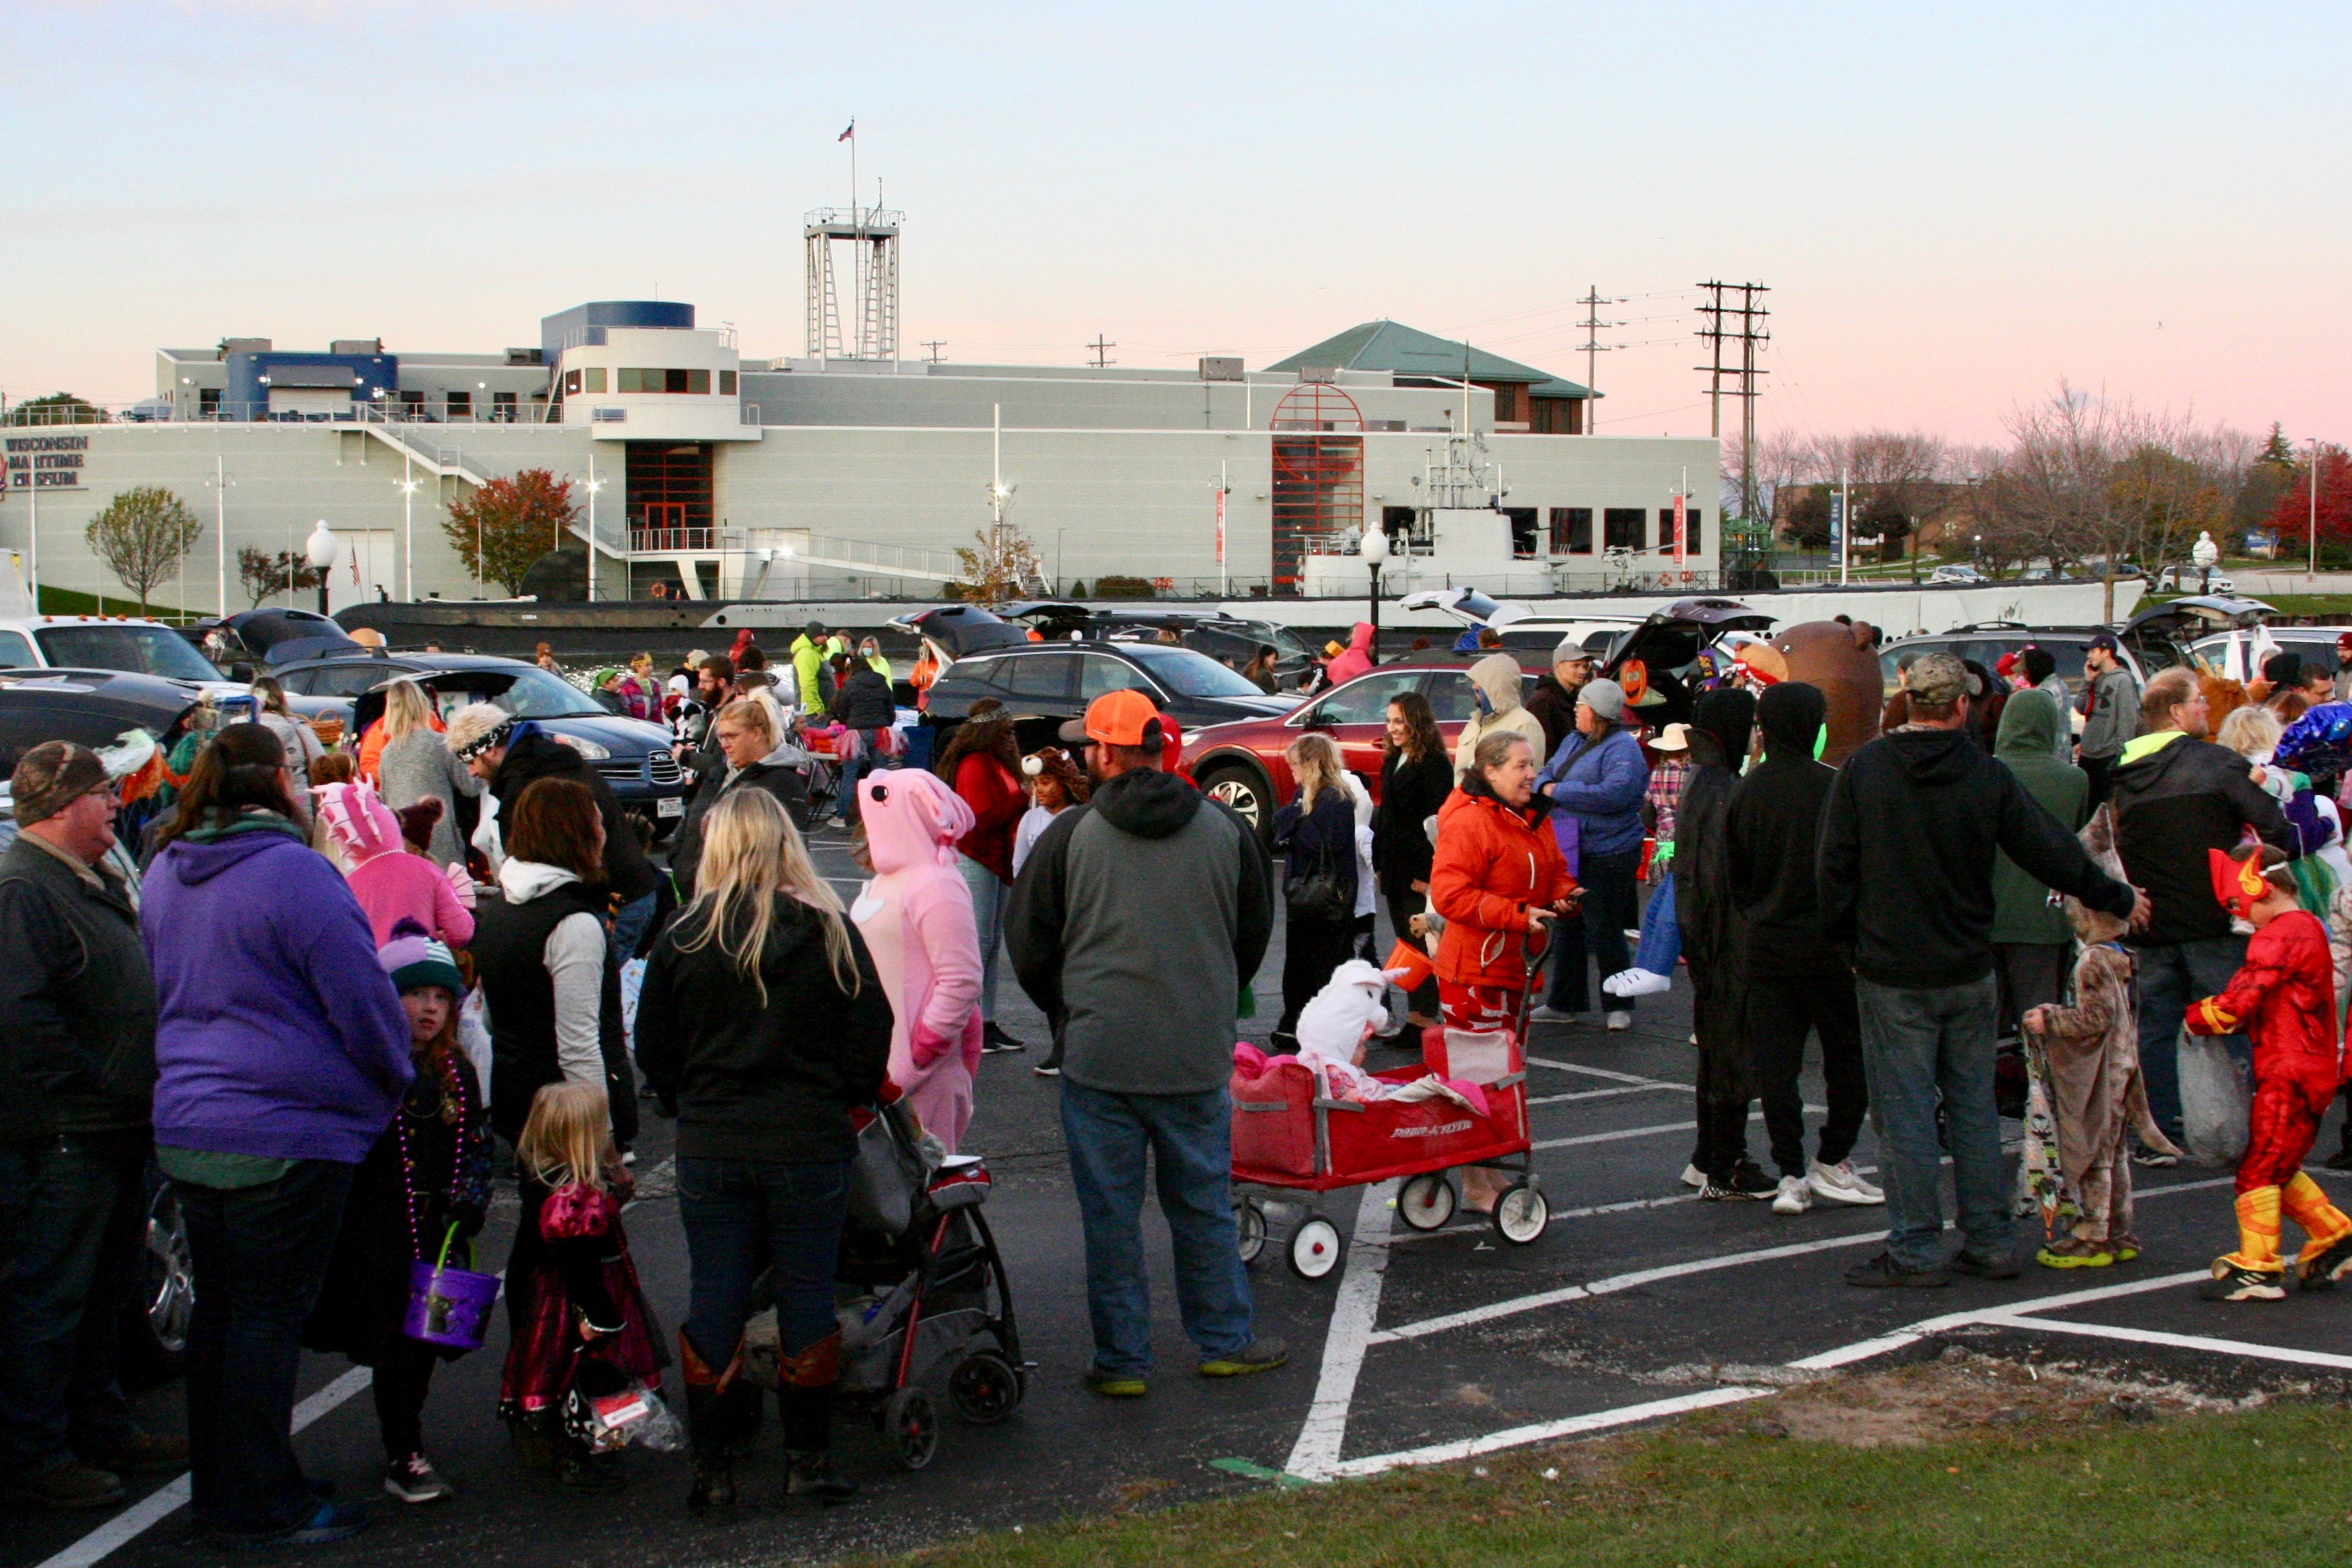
column 916, row 917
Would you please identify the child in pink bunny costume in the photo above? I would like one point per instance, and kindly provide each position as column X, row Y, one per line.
column 390, row 883
column 915, row 916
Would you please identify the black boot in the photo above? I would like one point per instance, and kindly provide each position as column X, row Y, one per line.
column 808, row 1443
column 713, row 1421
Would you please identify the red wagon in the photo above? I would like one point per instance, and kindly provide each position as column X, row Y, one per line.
column 1289, row 1138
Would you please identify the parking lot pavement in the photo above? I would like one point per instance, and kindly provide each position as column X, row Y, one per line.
column 1638, row 1301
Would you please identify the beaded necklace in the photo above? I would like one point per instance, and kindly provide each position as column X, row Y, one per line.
column 414, row 1204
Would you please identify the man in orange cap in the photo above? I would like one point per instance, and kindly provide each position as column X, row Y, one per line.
column 1135, row 922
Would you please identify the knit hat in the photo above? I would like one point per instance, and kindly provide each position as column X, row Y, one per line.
column 1605, row 698
column 51, row 778
column 413, row 958
column 417, row 822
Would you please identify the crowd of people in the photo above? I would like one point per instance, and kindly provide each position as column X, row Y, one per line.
column 333, row 1016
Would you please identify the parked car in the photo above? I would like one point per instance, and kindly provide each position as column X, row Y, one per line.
column 259, row 641
column 633, row 754
column 1964, row 575
column 1990, row 642
column 2314, row 645
column 2157, row 639
column 2183, row 578
column 1044, row 684
column 124, row 643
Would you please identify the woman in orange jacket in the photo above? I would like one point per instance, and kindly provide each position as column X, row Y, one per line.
column 1498, row 877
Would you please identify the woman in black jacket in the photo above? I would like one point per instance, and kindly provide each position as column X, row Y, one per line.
column 761, row 1023
column 744, row 737
column 1316, row 834
column 1416, row 776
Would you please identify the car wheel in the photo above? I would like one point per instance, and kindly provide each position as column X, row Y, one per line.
column 1244, row 790
column 155, row 1323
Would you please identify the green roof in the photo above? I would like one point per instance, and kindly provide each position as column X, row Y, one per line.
column 1394, row 347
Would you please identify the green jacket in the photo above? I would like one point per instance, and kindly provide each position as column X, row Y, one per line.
column 808, row 668
column 2028, row 730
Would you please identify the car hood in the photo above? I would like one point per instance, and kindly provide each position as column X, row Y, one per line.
column 1273, row 706
column 622, row 737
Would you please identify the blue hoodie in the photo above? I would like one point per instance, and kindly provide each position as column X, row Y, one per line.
column 278, row 1032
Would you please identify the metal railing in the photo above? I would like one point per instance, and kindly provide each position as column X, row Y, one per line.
column 664, row 539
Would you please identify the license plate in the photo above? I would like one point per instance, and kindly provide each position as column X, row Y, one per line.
column 670, row 806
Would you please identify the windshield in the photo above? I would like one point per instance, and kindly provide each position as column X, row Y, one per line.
column 535, row 694
column 1190, row 674
column 136, row 651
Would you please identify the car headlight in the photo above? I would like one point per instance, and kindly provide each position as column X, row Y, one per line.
column 588, row 749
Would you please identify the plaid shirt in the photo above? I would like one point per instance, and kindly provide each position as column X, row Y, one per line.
column 1665, row 793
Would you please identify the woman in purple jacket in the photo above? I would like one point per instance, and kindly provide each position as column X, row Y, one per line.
column 281, row 1051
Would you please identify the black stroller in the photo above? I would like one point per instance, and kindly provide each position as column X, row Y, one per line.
column 921, row 1287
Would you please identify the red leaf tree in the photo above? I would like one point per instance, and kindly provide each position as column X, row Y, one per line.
column 2292, row 518
column 500, row 529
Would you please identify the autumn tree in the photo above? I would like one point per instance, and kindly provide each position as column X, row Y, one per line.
column 1003, row 561
column 501, row 528
column 263, row 574
column 141, row 537
column 2292, row 516
column 2268, row 478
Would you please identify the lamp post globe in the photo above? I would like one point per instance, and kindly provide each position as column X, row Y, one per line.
column 1375, row 551
column 322, row 549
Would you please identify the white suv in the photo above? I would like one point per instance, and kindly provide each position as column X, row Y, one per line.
column 108, row 642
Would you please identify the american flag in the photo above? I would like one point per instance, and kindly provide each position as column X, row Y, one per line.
column 845, row 135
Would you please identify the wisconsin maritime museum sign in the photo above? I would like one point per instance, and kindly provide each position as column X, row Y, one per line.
column 45, row 462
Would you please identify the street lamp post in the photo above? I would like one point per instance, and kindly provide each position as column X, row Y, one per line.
column 594, row 484
column 322, row 548
column 1375, row 550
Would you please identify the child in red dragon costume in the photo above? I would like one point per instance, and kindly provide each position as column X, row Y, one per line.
column 2284, row 1000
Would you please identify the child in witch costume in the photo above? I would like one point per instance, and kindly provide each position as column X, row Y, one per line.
column 429, row 1176
column 582, row 1328
column 2283, row 1001
column 2084, row 1076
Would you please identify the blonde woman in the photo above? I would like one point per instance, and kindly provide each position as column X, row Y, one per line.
column 761, row 1025
column 1316, row 834
column 415, row 765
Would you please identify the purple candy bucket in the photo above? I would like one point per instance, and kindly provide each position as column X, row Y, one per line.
column 448, row 1306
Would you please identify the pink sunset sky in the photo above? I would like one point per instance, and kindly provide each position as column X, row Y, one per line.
column 1954, row 206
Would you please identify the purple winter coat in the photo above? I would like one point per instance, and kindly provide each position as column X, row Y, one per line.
column 278, row 1032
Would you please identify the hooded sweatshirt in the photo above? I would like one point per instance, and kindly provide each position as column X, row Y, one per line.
column 1496, row 679
column 1772, row 825
column 1721, row 723
column 1139, row 918
column 1906, row 857
column 917, row 917
column 1358, row 659
column 278, row 1034
column 2175, row 798
column 1599, row 780
column 391, row 884
column 2028, row 729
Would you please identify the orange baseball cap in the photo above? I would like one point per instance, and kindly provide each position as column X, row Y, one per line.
column 1117, row 719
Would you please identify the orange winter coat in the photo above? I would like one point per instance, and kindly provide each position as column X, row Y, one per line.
column 1491, row 864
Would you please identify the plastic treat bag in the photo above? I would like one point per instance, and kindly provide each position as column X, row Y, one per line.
column 634, row 1416
column 2216, row 1100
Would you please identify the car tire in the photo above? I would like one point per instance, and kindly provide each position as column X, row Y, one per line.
column 1244, row 790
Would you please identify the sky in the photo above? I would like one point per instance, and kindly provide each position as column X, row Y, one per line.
column 1953, row 207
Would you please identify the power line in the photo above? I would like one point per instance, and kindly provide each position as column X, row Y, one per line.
column 1749, row 310
column 1593, row 324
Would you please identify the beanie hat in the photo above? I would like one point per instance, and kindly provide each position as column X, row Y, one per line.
column 51, row 778
column 477, row 728
column 413, row 958
column 1605, row 698
column 417, row 822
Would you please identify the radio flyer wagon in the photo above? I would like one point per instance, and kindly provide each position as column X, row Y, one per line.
column 1293, row 1143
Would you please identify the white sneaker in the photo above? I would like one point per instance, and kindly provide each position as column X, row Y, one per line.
column 1794, row 1196
column 1838, row 1184
column 1617, row 1021
column 1693, row 1176
column 1637, row 982
column 1548, row 1014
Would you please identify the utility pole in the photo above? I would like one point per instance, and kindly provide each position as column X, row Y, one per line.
column 1102, row 347
column 1749, row 312
column 938, row 347
column 1592, row 345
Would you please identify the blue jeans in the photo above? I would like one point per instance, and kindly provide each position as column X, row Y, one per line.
column 868, row 760
column 72, row 1217
column 988, row 899
column 1610, row 893
column 1915, row 1045
column 1191, row 1140
column 1662, row 933
column 629, row 922
column 260, row 1255
column 745, row 1215
column 2170, row 978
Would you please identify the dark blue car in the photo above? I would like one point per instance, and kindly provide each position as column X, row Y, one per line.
column 634, row 755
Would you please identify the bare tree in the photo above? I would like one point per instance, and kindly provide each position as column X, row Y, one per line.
column 142, row 536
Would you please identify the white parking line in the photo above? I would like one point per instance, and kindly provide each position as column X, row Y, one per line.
column 1604, row 1093
column 1607, row 1073
column 1512, row 1437
column 2183, row 1341
column 1354, row 1312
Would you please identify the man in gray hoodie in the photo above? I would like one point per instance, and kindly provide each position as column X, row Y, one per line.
column 1136, row 921
column 2110, row 712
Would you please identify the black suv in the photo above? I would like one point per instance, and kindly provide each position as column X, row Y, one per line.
column 1044, row 684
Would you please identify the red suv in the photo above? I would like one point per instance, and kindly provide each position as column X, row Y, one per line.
column 1240, row 764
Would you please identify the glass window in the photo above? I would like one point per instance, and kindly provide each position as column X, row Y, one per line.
column 595, row 374
column 15, row 653
column 1044, row 676
column 697, row 382
column 631, row 380
column 535, row 694
column 571, row 384
column 349, row 679
column 1624, row 527
column 1190, row 674
column 980, row 671
column 1366, row 702
column 726, row 384
column 1571, row 530
column 1450, row 698
column 459, row 401
column 136, row 651
column 1099, row 673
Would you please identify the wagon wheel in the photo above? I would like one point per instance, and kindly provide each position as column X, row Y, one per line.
column 1315, row 1248
column 1249, row 1228
column 1426, row 1202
